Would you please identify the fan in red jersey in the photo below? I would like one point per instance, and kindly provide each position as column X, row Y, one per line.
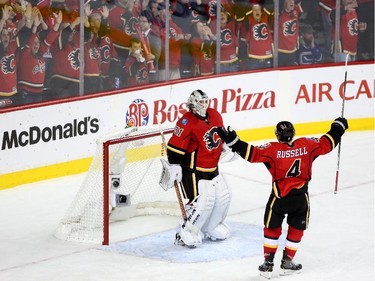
column 349, row 30
column 194, row 152
column 288, row 32
column 290, row 164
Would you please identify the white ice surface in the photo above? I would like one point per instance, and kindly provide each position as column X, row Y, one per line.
column 339, row 244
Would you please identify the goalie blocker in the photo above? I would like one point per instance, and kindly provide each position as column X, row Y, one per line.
column 170, row 173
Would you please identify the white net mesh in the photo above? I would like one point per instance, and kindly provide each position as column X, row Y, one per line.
column 136, row 165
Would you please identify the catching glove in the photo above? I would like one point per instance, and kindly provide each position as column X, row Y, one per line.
column 340, row 123
column 229, row 136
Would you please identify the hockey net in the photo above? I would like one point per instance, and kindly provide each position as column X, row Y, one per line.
column 122, row 182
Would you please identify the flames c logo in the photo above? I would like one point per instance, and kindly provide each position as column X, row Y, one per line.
column 226, row 37
column 8, row 64
column 290, row 27
column 353, row 27
column 141, row 75
column 212, row 139
column 195, row 16
column 73, row 57
column 212, row 8
column 129, row 26
column 105, row 54
column 260, row 31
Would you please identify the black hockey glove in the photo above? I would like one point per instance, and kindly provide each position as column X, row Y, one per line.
column 229, row 136
column 340, row 123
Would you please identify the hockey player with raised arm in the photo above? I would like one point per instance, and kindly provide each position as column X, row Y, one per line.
column 290, row 164
column 193, row 153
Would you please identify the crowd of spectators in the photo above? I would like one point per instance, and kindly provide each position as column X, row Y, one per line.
column 125, row 41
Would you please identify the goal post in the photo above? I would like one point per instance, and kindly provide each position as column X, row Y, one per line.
column 122, row 182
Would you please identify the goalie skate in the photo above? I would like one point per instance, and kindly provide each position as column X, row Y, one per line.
column 179, row 242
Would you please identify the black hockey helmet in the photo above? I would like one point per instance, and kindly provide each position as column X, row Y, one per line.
column 284, row 131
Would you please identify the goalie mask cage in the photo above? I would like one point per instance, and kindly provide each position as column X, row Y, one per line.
column 122, row 182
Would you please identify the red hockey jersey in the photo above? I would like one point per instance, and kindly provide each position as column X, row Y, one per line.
column 290, row 165
column 228, row 43
column 197, row 141
column 136, row 72
column 65, row 63
column 174, row 46
column 121, row 25
column 8, row 72
column 32, row 74
column 108, row 54
column 92, row 59
column 289, row 29
column 204, row 56
column 349, row 32
column 259, row 38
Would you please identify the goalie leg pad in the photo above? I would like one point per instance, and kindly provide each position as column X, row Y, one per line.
column 220, row 232
column 215, row 227
column 200, row 209
column 198, row 212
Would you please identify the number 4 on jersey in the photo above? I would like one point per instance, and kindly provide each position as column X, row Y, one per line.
column 294, row 170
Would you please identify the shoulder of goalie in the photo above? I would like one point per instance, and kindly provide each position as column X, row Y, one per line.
column 170, row 173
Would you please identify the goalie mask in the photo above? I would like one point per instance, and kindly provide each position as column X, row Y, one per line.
column 284, row 131
column 198, row 103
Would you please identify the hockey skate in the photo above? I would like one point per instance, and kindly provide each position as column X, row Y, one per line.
column 288, row 266
column 266, row 268
column 178, row 241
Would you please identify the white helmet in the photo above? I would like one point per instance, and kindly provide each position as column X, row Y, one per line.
column 198, row 103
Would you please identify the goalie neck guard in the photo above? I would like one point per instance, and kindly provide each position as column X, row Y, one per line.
column 284, row 131
column 198, row 103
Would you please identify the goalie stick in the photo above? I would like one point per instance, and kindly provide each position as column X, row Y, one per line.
column 187, row 223
column 342, row 115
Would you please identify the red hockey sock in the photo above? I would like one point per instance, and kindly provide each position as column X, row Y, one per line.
column 271, row 238
column 293, row 239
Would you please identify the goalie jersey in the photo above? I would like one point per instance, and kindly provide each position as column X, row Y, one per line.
column 195, row 143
